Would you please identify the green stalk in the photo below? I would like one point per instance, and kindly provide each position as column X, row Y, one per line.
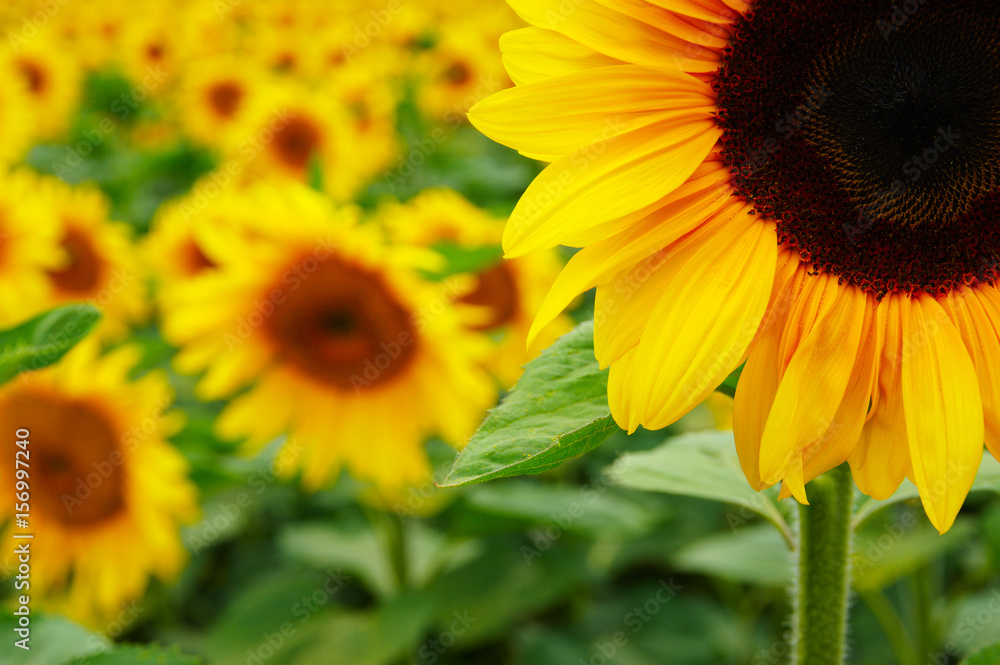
column 824, row 570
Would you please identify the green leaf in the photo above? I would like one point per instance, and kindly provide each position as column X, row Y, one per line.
column 53, row 641
column 45, row 339
column 702, row 465
column 754, row 554
column 728, row 387
column 134, row 655
column 591, row 511
column 887, row 553
column 557, row 411
column 987, row 480
column 988, row 656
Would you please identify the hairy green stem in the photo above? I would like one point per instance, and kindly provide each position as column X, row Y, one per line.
column 824, row 570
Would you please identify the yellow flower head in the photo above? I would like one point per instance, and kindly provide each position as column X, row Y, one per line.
column 98, row 263
column 52, row 79
column 213, row 100
column 343, row 347
column 504, row 296
column 289, row 128
column 739, row 196
column 106, row 491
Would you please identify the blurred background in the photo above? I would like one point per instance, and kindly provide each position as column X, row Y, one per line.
column 293, row 236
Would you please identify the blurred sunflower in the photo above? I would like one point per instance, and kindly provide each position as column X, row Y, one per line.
column 52, row 79
column 838, row 230
column 29, row 245
column 99, row 263
column 107, row 491
column 176, row 246
column 290, row 128
column 460, row 69
column 213, row 100
column 504, row 297
column 341, row 342
column 371, row 95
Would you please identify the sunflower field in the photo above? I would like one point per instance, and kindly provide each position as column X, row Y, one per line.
column 524, row 332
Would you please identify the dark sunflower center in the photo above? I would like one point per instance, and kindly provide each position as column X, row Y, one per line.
column 870, row 132
column 340, row 324
column 77, row 467
column 496, row 291
column 225, row 98
column 295, row 142
column 83, row 271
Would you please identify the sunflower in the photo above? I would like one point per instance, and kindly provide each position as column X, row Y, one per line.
column 456, row 73
column 502, row 300
column 343, row 347
column 106, row 490
column 807, row 187
column 29, row 245
column 213, row 100
column 52, row 80
column 290, row 128
column 99, row 263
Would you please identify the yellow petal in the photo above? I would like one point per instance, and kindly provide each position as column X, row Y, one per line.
column 880, row 460
column 532, row 54
column 802, row 418
column 976, row 314
column 943, row 409
column 704, row 195
column 703, row 31
column 759, row 381
column 616, row 35
column 605, row 181
column 561, row 115
column 718, row 285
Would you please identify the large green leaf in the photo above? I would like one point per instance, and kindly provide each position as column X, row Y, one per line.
column 53, row 641
column 702, row 465
column 44, row 339
column 754, row 554
column 557, row 411
column 893, row 550
column 987, row 480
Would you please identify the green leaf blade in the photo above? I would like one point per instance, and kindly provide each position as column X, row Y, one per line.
column 557, row 411
column 45, row 339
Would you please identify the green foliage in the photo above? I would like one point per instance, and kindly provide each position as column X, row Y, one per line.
column 988, row 656
column 45, row 339
column 558, row 410
column 138, row 655
column 702, row 465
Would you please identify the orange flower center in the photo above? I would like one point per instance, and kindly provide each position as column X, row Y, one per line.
column 497, row 291
column 83, row 271
column 339, row 323
column 77, row 475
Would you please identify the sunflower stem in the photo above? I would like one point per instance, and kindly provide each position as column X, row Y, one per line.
column 824, row 570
